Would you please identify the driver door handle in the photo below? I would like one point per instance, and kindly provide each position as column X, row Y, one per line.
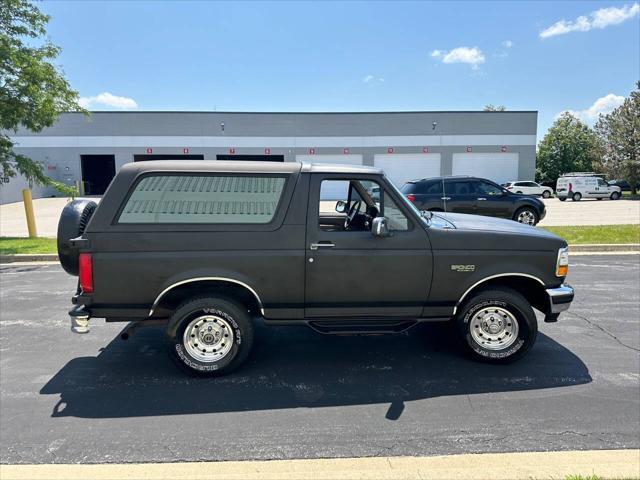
column 315, row 246
column 481, row 198
column 445, row 198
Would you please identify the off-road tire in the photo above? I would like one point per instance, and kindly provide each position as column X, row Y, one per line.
column 502, row 299
column 220, row 312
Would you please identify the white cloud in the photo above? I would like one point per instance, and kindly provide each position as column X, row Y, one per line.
column 372, row 79
column 601, row 18
column 469, row 55
column 108, row 100
column 507, row 44
column 602, row 105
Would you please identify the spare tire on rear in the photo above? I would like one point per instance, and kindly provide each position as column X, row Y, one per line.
column 73, row 220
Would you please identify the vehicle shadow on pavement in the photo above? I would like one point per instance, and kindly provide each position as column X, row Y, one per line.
column 295, row 367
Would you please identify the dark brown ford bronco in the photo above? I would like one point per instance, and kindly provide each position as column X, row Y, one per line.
column 207, row 248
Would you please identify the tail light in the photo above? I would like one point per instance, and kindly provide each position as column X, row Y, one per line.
column 412, row 198
column 86, row 273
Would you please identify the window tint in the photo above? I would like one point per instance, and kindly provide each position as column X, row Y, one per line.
column 432, row 188
column 166, row 198
column 486, row 188
column 531, row 184
column 460, row 187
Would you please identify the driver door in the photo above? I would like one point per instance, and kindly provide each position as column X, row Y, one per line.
column 351, row 273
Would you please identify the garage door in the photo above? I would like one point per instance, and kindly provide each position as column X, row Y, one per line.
column 332, row 190
column 403, row 167
column 499, row 167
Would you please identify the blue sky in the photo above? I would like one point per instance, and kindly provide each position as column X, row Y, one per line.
column 356, row 56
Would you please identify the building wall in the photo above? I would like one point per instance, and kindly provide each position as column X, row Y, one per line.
column 124, row 134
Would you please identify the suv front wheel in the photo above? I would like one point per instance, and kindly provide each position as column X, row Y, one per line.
column 497, row 326
column 526, row 215
column 209, row 336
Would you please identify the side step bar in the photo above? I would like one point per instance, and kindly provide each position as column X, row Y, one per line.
column 361, row 327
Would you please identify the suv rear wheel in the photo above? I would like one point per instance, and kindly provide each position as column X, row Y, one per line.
column 497, row 326
column 209, row 336
column 526, row 215
column 546, row 194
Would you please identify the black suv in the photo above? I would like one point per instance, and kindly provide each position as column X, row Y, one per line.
column 473, row 195
column 209, row 248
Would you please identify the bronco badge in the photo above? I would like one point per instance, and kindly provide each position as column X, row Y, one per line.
column 463, row 268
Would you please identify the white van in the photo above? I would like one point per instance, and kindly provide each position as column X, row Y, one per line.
column 585, row 185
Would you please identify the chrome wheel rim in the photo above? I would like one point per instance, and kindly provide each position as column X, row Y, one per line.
column 208, row 338
column 527, row 217
column 494, row 328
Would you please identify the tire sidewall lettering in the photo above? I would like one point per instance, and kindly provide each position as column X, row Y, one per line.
column 492, row 353
column 194, row 364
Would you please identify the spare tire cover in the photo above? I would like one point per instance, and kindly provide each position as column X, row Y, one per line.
column 73, row 221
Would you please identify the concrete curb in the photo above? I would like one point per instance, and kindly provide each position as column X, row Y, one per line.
column 497, row 466
column 605, row 247
column 28, row 257
column 587, row 248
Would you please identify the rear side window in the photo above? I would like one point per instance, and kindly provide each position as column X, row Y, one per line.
column 409, row 187
column 171, row 198
column 460, row 187
column 432, row 188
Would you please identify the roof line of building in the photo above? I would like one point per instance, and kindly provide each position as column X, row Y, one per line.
column 307, row 113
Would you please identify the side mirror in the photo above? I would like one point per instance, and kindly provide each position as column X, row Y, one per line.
column 341, row 207
column 380, row 227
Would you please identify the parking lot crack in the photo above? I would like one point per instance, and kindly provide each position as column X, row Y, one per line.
column 604, row 330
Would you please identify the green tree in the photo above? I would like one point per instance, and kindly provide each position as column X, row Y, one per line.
column 33, row 91
column 494, row 108
column 568, row 146
column 619, row 132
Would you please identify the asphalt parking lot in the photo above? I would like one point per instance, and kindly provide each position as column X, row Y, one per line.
column 68, row 398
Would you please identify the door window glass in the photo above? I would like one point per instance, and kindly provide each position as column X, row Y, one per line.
column 171, row 198
column 486, row 188
column 602, row 183
column 338, row 197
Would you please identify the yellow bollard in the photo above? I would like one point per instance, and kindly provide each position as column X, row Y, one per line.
column 28, row 210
